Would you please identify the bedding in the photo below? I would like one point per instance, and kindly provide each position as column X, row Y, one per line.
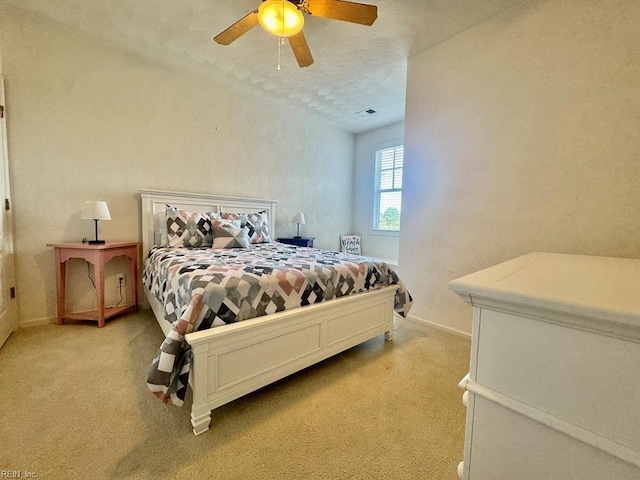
column 202, row 288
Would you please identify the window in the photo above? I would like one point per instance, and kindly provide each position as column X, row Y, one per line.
column 387, row 201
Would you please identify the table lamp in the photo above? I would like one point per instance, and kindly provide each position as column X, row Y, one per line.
column 299, row 219
column 96, row 210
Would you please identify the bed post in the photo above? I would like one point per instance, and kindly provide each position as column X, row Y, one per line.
column 200, row 412
column 390, row 314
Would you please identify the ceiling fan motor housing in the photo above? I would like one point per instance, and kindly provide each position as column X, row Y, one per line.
column 281, row 18
column 283, row 12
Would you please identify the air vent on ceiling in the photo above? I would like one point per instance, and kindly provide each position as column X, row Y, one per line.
column 365, row 113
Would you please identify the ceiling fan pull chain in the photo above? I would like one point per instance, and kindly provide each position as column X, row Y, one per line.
column 280, row 41
column 281, row 38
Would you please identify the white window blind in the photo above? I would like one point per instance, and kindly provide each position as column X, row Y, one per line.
column 387, row 203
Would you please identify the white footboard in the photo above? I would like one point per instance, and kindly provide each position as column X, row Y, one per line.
column 233, row 360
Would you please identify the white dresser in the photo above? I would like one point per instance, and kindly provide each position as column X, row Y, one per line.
column 553, row 390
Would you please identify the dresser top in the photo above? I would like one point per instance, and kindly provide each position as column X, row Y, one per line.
column 607, row 288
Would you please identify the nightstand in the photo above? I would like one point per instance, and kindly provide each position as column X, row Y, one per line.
column 299, row 241
column 98, row 255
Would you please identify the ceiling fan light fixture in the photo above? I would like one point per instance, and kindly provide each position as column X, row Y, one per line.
column 280, row 17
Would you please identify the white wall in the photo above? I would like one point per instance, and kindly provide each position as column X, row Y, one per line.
column 89, row 121
column 384, row 246
column 521, row 134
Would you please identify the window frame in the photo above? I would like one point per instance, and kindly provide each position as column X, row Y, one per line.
column 375, row 205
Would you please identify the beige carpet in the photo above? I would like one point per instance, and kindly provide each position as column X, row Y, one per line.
column 74, row 404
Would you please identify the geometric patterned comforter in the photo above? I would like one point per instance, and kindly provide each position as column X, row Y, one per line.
column 202, row 288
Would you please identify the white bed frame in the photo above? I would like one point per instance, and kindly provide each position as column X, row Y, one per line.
column 233, row 360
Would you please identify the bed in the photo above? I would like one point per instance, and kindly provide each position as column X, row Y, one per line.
column 225, row 362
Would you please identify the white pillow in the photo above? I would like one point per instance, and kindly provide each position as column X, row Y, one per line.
column 160, row 236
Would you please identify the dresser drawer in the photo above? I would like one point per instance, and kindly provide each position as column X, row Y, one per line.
column 509, row 446
column 586, row 378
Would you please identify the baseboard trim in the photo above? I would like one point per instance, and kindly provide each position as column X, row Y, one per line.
column 37, row 322
column 438, row 326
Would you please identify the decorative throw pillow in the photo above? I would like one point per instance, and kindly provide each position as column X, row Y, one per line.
column 227, row 235
column 188, row 229
column 258, row 225
column 234, row 219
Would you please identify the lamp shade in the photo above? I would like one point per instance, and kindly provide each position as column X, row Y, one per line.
column 95, row 210
column 280, row 17
column 298, row 218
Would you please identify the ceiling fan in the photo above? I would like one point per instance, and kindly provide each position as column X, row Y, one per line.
column 284, row 18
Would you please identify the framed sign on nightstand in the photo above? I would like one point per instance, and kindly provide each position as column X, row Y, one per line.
column 351, row 244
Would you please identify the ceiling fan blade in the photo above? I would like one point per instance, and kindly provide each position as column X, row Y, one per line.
column 238, row 29
column 301, row 49
column 342, row 10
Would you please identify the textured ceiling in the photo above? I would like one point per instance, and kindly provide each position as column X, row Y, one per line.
column 356, row 67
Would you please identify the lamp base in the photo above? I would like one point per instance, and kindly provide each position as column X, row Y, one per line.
column 96, row 242
column 297, row 236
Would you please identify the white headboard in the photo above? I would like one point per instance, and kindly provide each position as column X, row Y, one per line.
column 155, row 201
